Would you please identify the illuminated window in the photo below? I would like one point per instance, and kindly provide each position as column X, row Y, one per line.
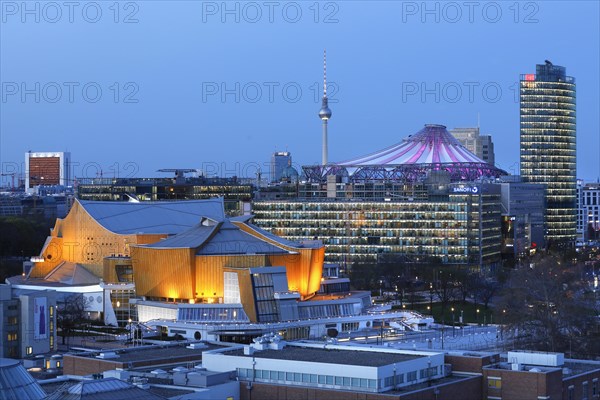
column 51, row 341
column 12, row 336
column 29, row 350
column 51, row 310
column 494, row 383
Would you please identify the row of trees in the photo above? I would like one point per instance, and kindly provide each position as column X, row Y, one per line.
column 547, row 303
column 20, row 237
column 550, row 306
column 446, row 283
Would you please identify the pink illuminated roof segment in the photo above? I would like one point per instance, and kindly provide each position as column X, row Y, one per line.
column 431, row 145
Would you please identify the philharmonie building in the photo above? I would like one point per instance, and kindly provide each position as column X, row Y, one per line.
column 185, row 268
column 424, row 200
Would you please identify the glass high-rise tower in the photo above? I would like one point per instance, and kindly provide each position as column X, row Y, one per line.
column 548, row 146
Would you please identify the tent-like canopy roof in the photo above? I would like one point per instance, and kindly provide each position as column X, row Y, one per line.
column 433, row 148
column 432, row 144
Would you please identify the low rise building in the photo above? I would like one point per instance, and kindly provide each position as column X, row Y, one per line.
column 28, row 322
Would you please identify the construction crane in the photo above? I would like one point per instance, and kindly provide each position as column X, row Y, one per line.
column 12, row 175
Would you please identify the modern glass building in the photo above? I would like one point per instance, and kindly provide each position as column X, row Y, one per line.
column 280, row 160
column 426, row 199
column 232, row 190
column 458, row 224
column 588, row 221
column 548, row 146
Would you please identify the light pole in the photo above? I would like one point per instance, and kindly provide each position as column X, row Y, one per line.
column 431, row 295
column 453, row 322
column 129, row 329
column 478, row 317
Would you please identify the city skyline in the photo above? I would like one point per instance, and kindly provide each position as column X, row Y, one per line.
column 170, row 107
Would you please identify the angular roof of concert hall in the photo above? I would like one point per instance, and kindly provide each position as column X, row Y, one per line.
column 432, row 148
column 153, row 217
column 176, row 250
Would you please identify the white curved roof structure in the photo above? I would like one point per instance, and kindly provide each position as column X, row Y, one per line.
column 432, row 144
column 433, row 148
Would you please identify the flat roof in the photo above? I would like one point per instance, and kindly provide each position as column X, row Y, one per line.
column 161, row 354
column 332, row 356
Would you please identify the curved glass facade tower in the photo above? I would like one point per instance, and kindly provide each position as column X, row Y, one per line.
column 548, row 146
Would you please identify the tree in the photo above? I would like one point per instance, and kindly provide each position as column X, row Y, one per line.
column 71, row 314
column 21, row 236
column 362, row 276
column 444, row 285
column 466, row 283
column 485, row 288
column 548, row 307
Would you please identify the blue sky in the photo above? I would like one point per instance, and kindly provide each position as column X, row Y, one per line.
column 131, row 87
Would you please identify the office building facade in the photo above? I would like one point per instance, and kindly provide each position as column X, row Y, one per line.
column 457, row 224
column 425, row 199
column 280, row 161
column 523, row 210
column 234, row 192
column 480, row 145
column 588, row 213
column 47, row 169
column 548, row 146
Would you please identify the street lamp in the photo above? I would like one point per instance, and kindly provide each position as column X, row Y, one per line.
column 431, row 295
column 478, row 316
column 453, row 322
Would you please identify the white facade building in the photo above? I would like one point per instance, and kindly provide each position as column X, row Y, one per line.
column 362, row 369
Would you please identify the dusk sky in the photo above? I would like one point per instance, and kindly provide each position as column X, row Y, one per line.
column 220, row 85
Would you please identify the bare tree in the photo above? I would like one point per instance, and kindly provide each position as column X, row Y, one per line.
column 547, row 306
column 485, row 288
column 71, row 314
column 466, row 283
column 444, row 286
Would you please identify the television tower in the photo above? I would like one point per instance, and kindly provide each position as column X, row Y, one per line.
column 325, row 112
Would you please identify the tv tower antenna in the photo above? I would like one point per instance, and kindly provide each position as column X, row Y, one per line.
column 325, row 112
